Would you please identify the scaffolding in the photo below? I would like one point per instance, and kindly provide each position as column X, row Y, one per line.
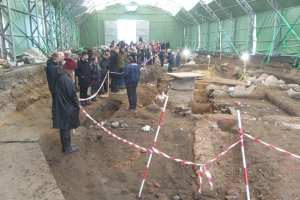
column 220, row 26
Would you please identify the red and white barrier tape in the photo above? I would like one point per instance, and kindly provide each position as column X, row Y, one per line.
column 271, row 146
column 152, row 85
column 115, row 73
column 92, row 96
column 202, row 166
column 144, row 63
column 243, row 155
column 114, row 135
column 161, row 96
column 221, row 154
column 153, row 145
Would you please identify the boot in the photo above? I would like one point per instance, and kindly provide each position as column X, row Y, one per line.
column 67, row 142
column 94, row 99
column 61, row 140
column 88, row 102
column 83, row 104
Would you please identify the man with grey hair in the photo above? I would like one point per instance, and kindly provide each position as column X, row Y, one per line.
column 67, row 53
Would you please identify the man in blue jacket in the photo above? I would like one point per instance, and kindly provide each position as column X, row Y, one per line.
column 132, row 77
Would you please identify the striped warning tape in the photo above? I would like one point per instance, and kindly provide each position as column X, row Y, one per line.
column 114, row 135
column 271, row 146
column 92, row 96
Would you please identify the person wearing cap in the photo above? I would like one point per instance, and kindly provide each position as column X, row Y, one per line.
column 122, row 55
column 132, row 77
column 84, row 77
column 70, row 62
column 170, row 60
column 65, row 105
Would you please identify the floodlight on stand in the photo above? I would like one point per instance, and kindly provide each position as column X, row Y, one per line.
column 245, row 57
column 186, row 53
column 208, row 67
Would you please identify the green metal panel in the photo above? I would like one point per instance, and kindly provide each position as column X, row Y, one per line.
column 213, row 32
column 241, row 37
column 291, row 46
column 226, row 24
column 260, row 6
column 192, row 36
column 162, row 26
column 288, row 3
column 264, row 31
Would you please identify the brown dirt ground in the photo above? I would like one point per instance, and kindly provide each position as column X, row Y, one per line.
column 105, row 168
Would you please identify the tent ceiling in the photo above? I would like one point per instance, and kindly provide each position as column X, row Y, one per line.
column 171, row 6
column 82, row 9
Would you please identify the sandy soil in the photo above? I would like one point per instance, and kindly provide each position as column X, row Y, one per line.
column 106, row 168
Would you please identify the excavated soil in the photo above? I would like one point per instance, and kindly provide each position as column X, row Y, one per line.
column 106, row 168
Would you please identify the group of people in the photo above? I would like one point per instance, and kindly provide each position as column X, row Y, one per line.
column 152, row 53
column 91, row 72
column 122, row 62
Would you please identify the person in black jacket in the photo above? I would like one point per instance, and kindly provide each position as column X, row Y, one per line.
column 114, row 68
column 161, row 57
column 163, row 46
column 104, row 63
column 178, row 58
column 170, row 60
column 52, row 64
column 84, row 77
column 65, row 106
column 140, row 39
column 132, row 77
column 95, row 76
column 167, row 45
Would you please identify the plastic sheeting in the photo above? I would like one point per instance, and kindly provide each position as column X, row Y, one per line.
column 265, row 33
column 162, row 26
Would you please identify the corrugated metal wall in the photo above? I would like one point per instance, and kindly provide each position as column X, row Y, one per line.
column 264, row 33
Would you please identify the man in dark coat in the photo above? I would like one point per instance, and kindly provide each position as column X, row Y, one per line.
column 170, row 60
column 95, row 71
column 84, row 77
column 178, row 58
column 167, row 45
column 104, row 63
column 52, row 64
column 163, row 46
column 65, row 106
column 161, row 57
column 140, row 39
column 114, row 68
column 132, row 77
